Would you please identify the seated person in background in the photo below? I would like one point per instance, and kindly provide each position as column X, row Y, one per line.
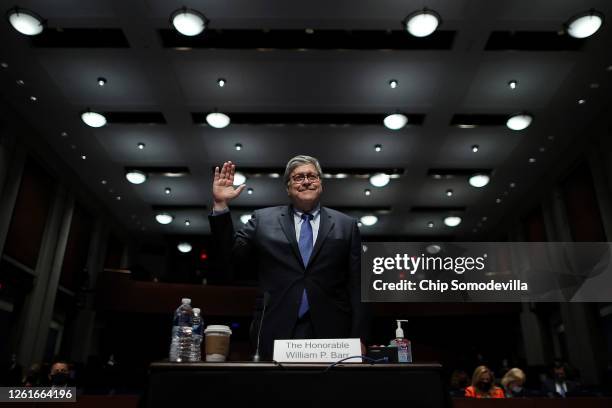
column 459, row 380
column 559, row 386
column 513, row 383
column 59, row 375
column 483, row 385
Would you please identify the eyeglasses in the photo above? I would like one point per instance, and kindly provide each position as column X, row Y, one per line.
column 299, row 178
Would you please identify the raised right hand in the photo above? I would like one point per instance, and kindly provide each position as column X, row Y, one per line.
column 223, row 190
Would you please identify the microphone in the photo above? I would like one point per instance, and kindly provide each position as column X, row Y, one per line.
column 266, row 300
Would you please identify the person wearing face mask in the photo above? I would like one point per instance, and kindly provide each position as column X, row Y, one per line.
column 483, row 385
column 513, row 383
column 59, row 375
column 307, row 257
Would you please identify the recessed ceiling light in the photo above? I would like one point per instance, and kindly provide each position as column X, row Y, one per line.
column 452, row 221
column 542, row 149
column 449, row 192
column 101, row 81
column 485, row 218
column 187, row 223
column 377, row 148
column 519, row 122
column 73, row 146
column 422, row 23
column 309, row 31
column 20, row 82
column 479, row 180
column 498, row 200
column 609, row 68
column 33, row 98
column 581, row 101
column 239, row 178
column 218, row 120
column 379, row 179
column 184, row 247
column 551, row 138
column 512, row 84
column 466, row 126
column 118, row 198
column 167, row 190
column 249, row 191
column 3, row 65
column 395, row 121
column 141, row 146
column 274, row 175
column 369, row 220
column 83, row 157
column 585, row 24
column 238, row 147
column 532, row 160
column 188, row 22
column 64, row 134
column 93, row 119
column 393, row 84
column 367, row 192
column 244, row 218
column 103, row 181
column 512, row 184
column 136, row 176
column 221, row 82
column 359, row 224
column 164, row 218
column 594, row 85
column 475, row 148
column 341, row 175
column 25, row 21
column 430, row 224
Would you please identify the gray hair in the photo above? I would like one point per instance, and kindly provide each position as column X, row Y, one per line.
column 299, row 161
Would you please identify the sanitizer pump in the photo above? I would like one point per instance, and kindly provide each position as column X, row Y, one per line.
column 404, row 348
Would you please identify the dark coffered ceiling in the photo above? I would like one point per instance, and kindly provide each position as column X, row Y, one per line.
column 323, row 92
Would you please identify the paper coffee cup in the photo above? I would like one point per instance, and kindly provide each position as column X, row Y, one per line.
column 217, row 339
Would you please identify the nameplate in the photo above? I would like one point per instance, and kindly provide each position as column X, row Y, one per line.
column 317, row 350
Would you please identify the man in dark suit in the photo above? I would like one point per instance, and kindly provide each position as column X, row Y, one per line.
column 307, row 256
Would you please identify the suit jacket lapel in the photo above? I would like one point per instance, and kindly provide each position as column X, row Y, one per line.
column 326, row 224
column 288, row 226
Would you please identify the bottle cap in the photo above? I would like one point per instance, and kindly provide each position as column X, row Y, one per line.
column 196, row 310
column 399, row 332
column 185, row 301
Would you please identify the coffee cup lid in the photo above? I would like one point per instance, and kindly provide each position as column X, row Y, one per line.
column 217, row 328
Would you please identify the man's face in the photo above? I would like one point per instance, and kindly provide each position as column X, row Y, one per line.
column 305, row 194
column 559, row 373
column 59, row 368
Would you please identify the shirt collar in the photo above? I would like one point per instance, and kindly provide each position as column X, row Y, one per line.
column 314, row 212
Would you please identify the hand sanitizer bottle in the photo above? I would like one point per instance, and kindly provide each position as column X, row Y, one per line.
column 404, row 348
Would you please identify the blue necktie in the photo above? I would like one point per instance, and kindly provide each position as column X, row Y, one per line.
column 305, row 245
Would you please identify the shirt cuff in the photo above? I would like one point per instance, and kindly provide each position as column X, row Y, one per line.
column 214, row 213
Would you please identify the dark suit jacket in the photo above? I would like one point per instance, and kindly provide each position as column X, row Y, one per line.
column 267, row 244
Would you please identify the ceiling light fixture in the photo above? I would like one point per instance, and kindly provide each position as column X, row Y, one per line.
column 379, row 179
column 475, row 148
column 449, row 192
column 532, row 160
column 238, row 147
column 249, row 191
column 244, row 218
column 239, row 178
column 217, row 120
column 367, row 192
column 101, row 81
column 93, row 119
column 20, row 82
column 512, row 84
column 184, row 247
column 452, row 221
column 167, row 190
column 189, row 22
column 141, row 146
column 422, row 23
column 377, row 148
column 584, row 24
column 369, row 220
column 25, row 21
column 187, row 223
column 519, row 121
column 136, row 176
column 430, row 224
column 393, row 84
column 33, row 98
column 164, row 218
column 479, row 180
column 221, row 82
column 395, row 121
column 83, row 157
column 4, row 65
column 581, row 101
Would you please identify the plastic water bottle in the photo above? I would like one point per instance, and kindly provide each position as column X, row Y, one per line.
column 196, row 352
column 182, row 341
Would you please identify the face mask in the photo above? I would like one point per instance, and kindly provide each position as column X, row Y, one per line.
column 485, row 386
column 59, row 379
column 516, row 390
